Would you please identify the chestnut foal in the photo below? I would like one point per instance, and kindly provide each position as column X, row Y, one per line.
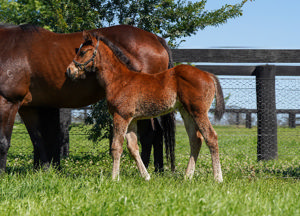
column 132, row 96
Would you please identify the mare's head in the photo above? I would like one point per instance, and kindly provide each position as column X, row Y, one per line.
column 84, row 61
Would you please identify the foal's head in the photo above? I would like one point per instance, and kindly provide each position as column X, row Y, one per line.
column 85, row 58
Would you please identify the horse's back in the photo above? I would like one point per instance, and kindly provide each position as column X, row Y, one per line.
column 145, row 49
column 195, row 87
column 193, row 75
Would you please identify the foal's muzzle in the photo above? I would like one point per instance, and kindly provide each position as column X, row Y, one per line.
column 73, row 72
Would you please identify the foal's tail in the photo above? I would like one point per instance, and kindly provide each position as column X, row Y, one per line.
column 168, row 121
column 220, row 104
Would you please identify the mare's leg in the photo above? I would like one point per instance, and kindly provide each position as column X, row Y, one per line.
column 44, row 130
column 211, row 139
column 133, row 148
column 150, row 134
column 64, row 123
column 31, row 120
column 158, row 147
column 146, row 135
column 195, row 139
column 52, row 133
column 169, row 127
column 8, row 111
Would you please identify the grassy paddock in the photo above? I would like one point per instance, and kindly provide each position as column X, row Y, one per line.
column 84, row 186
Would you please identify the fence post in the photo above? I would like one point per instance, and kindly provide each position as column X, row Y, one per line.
column 266, row 113
column 292, row 120
column 65, row 121
column 248, row 120
column 237, row 119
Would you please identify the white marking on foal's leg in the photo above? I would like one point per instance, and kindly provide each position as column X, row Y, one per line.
column 134, row 151
column 117, row 150
column 211, row 140
column 116, row 170
column 217, row 168
column 195, row 142
column 119, row 130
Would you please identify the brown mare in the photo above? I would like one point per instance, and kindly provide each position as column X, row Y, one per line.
column 132, row 96
column 33, row 63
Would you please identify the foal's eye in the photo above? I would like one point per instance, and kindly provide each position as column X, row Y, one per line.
column 82, row 53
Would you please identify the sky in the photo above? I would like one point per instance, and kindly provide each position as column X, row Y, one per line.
column 265, row 24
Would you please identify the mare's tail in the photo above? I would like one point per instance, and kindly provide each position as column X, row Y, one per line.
column 220, row 104
column 168, row 121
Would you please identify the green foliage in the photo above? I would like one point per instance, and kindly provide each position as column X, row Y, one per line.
column 58, row 16
column 171, row 19
column 101, row 121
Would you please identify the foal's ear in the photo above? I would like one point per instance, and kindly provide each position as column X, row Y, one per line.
column 87, row 36
column 76, row 50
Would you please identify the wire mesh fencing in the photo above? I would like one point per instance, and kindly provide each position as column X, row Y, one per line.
column 242, row 113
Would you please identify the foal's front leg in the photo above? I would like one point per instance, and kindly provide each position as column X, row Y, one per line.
column 134, row 150
column 119, row 131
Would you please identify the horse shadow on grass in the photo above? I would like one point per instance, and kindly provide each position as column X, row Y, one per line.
column 289, row 172
column 22, row 164
column 19, row 163
column 77, row 164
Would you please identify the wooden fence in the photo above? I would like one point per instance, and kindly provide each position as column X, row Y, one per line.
column 260, row 63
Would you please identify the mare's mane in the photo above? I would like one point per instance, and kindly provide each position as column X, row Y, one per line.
column 17, row 36
column 24, row 27
column 116, row 51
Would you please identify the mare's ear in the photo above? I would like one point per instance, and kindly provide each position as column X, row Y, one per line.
column 87, row 36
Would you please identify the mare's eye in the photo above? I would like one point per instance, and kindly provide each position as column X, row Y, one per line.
column 82, row 53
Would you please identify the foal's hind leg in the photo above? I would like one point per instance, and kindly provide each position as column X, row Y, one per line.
column 211, row 140
column 134, row 149
column 195, row 139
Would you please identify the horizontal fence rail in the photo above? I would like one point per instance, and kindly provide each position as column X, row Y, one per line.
column 237, row 55
column 248, row 70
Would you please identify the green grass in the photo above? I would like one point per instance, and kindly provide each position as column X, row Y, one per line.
column 84, row 186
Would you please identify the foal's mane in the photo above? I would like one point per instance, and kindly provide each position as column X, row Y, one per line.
column 116, row 51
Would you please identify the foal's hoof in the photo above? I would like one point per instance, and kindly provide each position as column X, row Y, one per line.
column 219, row 179
column 147, row 177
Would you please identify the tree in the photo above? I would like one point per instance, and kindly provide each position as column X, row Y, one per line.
column 171, row 19
column 59, row 16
